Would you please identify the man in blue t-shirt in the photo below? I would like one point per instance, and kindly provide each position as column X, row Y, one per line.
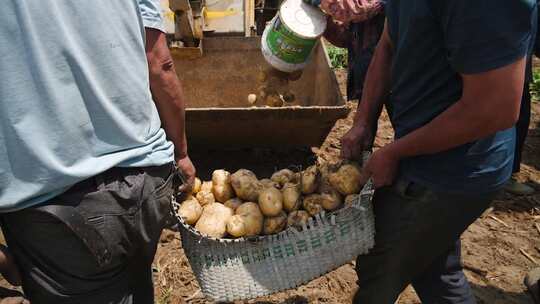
column 451, row 75
column 91, row 140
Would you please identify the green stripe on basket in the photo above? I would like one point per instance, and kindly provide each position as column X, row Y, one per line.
column 344, row 228
column 302, row 246
column 316, row 241
column 278, row 253
column 289, row 249
column 330, row 236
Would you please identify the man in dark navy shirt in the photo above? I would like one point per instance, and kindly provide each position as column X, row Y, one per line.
column 451, row 74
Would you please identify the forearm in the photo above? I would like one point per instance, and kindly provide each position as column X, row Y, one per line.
column 167, row 91
column 170, row 102
column 377, row 84
column 336, row 34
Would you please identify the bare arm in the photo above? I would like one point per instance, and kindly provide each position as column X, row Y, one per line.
column 169, row 97
column 376, row 90
column 336, row 34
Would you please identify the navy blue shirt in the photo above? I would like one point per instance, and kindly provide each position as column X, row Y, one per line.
column 435, row 42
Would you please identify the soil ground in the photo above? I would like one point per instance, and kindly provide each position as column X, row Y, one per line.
column 495, row 247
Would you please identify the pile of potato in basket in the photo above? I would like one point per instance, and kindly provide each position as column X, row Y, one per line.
column 240, row 205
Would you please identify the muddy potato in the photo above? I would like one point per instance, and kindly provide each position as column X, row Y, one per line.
column 346, row 179
column 274, row 101
column 221, row 186
column 246, row 185
column 213, row 221
column 350, row 199
column 249, row 208
column 253, row 218
column 296, row 178
column 206, row 187
column 275, row 224
column 291, row 197
column 233, row 203
column 222, row 193
column 289, row 97
column 297, row 219
column 282, row 177
column 331, row 201
column 262, row 76
column 268, row 183
column 271, row 201
column 331, row 198
column 190, row 210
column 205, row 198
column 236, row 226
column 310, row 179
column 196, row 186
column 313, row 204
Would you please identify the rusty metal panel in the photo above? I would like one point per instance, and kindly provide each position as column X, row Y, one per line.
column 218, row 83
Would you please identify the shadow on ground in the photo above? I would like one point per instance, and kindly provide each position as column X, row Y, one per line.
column 492, row 295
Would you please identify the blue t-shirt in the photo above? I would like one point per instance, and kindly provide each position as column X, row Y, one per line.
column 74, row 95
column 435, row 42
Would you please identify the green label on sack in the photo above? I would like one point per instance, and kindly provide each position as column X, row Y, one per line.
column 288, row 46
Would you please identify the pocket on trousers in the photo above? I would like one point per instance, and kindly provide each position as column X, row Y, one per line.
column 87, row 230
column 156, row 210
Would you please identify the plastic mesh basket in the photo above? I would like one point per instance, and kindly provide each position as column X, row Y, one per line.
column 229, row 270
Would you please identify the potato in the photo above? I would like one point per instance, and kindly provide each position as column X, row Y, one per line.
column 271, row 201
column 350, row 199
column 275, row 224
column 249, row 208
column 310, row 179
column 196, row 186
column 347, row 179
column 190, row 210
column 296, row 178
column 221, row 186
column 268, row 183
column 246, row 185
column 297, row 219
column 331, row 201
column 291, row 197
column 213, row 221
column 331, row 198
column 262, row 76
column 289, row 97
column 253, row 218
column 282, row 177
column 233, row 203
column 252, row 99
column 274, row 101
column 236, row 226
column 313, row 204
column 205, row 198
column 206, row 187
